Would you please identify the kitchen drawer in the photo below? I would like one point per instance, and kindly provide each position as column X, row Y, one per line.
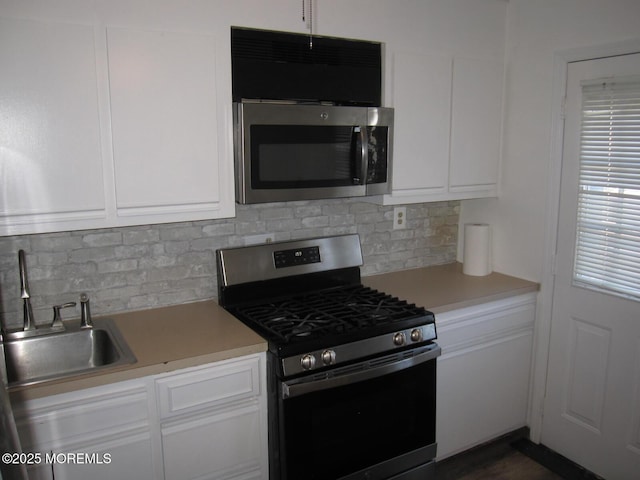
column 87, row 414
column 208, row 387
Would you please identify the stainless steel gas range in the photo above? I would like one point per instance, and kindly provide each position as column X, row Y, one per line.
column 351, row 370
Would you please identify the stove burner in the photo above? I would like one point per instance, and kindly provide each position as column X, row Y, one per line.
column 297, row 327
column 327, row 312
column 379, row 313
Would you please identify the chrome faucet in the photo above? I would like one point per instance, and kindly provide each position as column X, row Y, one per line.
column 85, row 312
column 29, row 323
column 29, row 328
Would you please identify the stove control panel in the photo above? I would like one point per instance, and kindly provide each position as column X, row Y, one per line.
column 416, row 335
column 308, row 361
column 340, row 354
column 296, row 256
column 329, row 357
column 399, row 339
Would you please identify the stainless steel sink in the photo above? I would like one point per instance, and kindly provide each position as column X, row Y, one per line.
column 60, row 355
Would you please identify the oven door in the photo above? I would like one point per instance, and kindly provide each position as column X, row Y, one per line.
column 369, row 421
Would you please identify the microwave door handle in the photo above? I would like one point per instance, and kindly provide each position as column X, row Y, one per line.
column 362, row 154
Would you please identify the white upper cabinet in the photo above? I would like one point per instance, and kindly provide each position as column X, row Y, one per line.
column 109, row 119
column 51, row 161
column 119, row 112
column 422, row 101
column 163, row 111
column 448, row 127
column 476, row 126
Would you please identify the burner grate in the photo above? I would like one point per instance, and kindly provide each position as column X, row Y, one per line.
column 327, row 312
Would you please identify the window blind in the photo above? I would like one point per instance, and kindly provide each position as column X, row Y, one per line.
column 608, row 223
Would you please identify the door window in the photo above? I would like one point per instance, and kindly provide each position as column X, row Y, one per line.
column 608, row 229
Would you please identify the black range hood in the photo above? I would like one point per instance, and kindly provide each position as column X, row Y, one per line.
column 269, row 65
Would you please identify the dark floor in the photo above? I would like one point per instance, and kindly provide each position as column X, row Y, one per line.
column 511, row 457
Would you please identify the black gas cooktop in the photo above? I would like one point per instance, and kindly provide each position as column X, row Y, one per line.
column 329, row 317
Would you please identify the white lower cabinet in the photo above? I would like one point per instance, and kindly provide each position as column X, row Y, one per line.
column 91, row 433
column 213, row 421
column 207, row 422
column 484, row 372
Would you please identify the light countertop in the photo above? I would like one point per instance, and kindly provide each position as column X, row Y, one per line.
column 182, row 336
column 442, row 288
column 163, row 340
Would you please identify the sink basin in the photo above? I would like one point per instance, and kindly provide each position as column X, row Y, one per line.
column 61, row 355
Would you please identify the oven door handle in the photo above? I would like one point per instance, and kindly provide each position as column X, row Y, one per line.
column 296, row 388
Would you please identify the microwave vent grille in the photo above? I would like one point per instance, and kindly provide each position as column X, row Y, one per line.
column 292, row 50
column 268, row 65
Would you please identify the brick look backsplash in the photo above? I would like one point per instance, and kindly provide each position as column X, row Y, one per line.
column 135, row 268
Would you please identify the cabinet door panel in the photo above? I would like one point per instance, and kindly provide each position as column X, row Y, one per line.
column 475, row 123
column 50, row 150
column 126, row 457
column 162, row 87
column 217, row 446
column 486, row 357
column 421, row 98
column 102, row 409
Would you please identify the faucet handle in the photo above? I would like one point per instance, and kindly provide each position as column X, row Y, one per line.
column 57, row 318
column 85, row 312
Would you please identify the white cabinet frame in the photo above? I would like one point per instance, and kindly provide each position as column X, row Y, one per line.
column 202, row 422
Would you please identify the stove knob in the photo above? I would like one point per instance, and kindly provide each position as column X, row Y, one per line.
column 308, row 361
column 416, row 335
column 399, row 339
column 328, row 357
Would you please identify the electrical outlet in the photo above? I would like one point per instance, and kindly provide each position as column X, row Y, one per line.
column 399, row 218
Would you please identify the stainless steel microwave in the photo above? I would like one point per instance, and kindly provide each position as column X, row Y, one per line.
column 289, row 151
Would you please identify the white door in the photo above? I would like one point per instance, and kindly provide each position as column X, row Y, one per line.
column 592, row 405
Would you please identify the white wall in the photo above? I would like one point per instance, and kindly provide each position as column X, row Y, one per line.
column 535, row 31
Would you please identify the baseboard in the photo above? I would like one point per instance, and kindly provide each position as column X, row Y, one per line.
column 462, row 463
column 553, row 461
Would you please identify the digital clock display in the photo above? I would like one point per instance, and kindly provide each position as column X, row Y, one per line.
column 296, row 257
